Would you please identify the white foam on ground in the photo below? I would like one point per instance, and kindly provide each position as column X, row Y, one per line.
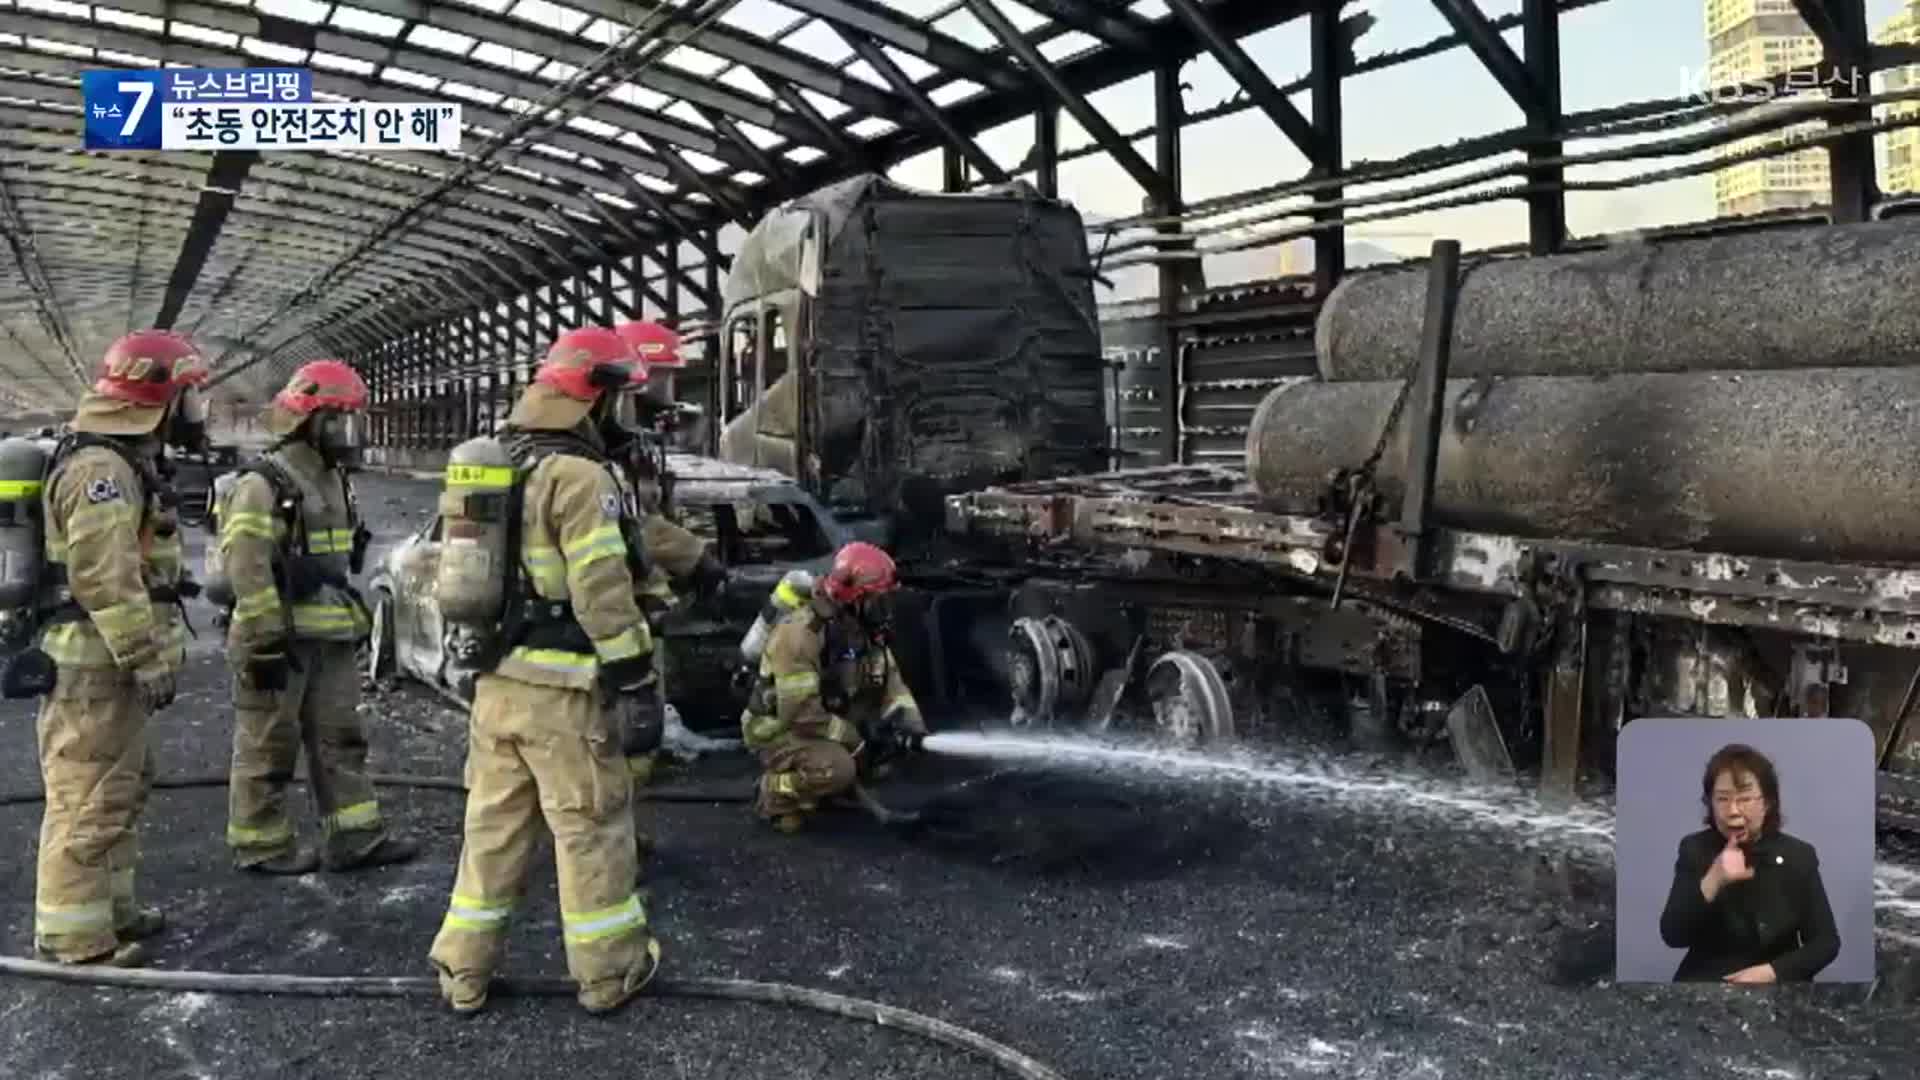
column 1517, row 816
column 165, row 1019
column 1264, row 1047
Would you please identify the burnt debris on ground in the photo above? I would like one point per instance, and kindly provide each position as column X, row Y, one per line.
column 1110, row 928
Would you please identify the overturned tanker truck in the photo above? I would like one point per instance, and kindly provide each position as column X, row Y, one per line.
column 1518, row 507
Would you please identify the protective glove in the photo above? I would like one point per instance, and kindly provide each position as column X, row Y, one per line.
column 153, row 681
column 267, row 669
column 708, row 575
column 641, row 720
column 633, row 703
column 905, row 719
column 357, row 555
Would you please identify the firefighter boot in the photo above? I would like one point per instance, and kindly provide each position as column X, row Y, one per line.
column 139, row 925
column 388, row 851
column 466, row 997
column 127, row 954
column 603, row 998
column 301, row 860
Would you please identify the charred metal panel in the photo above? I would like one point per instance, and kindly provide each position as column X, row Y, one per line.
column 962, row 328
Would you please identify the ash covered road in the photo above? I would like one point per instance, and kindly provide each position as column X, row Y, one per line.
column 1110, row 929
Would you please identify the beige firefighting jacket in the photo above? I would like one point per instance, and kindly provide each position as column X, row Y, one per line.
column 574, row 549
column 254, row 532
column 93, row 504
column 802, row 675
column 672, row 552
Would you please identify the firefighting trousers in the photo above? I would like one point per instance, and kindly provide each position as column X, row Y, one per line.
column 97, row 773
column 545, row 754
column 796, row 773
column 318, row 711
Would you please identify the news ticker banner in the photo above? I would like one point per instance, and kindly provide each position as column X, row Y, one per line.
column 250, row 109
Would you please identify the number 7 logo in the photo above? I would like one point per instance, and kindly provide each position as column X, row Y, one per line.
column 142, row 94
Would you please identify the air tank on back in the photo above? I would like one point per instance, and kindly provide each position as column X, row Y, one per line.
column 469, row 583
column 23, row 466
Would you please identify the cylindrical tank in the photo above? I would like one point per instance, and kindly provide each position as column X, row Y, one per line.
column 788, row 596
column 23, row 465
column 469, row 582
column 1814, row 464
column 214, row 581
column 1764, row 299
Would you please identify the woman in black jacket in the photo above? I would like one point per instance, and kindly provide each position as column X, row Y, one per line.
column 1747, row 902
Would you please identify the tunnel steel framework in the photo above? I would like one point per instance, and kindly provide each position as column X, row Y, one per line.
column 609, row 142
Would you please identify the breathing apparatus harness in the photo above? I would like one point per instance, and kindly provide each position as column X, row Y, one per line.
column 529, row 619
column 31, row 672
column 156, row 478
column 297, row 572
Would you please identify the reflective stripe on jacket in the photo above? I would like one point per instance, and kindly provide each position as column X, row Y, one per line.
column 254, row 534
column 93, row 505
column 575, row 550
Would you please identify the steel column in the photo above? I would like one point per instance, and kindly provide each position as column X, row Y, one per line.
column 1168, row 113
column 1546, row 210
column 1330, row 53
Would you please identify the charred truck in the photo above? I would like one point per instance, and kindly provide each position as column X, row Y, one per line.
column 888, row 347
column 1517, row 507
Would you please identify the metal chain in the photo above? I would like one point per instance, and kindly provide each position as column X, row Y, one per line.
column 1407, row 377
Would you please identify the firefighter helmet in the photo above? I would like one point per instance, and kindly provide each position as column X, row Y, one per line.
column 860, row 570
column 149, row 367
column 656, row 344
column 323, row 384
column 585, row 362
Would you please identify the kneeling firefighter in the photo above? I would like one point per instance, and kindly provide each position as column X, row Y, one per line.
column 541, row 559
column 112, row 641
column 290, row 541
column 830, row 698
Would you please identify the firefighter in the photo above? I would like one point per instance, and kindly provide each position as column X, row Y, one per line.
column 828, row 686
column 290, row 541
column 556, row 721
column 113, row 631
column 674, row 553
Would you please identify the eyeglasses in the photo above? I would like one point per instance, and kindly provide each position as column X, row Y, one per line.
column 1744, row 801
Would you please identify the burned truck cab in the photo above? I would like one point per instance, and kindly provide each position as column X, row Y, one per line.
column 887, row 347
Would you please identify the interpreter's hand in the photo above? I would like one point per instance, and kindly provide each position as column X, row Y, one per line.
column 1758, row 974
column 1732, row 864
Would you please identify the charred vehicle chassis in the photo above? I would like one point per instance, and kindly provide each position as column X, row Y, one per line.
column 1178, row 597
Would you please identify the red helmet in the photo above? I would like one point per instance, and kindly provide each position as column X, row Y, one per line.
column 582, row 363
column 654, row 343
column 148, row 367
column 860, row 570
column 323, row 384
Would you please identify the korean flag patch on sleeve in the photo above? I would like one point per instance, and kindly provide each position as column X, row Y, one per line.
column 103, row 489
column 610, row 505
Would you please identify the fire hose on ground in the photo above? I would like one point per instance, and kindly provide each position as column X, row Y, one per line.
column 217, row 982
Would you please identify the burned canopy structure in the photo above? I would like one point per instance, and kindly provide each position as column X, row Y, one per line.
column 613, row 153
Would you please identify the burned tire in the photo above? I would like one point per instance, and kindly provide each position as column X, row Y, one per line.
column 1189, row 698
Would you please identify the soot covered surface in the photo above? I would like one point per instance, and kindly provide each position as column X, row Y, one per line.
column 1110, row 927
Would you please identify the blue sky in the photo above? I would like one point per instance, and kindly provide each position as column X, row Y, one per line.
column 1613, row 52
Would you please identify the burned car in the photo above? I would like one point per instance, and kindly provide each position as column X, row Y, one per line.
column 760, row 524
